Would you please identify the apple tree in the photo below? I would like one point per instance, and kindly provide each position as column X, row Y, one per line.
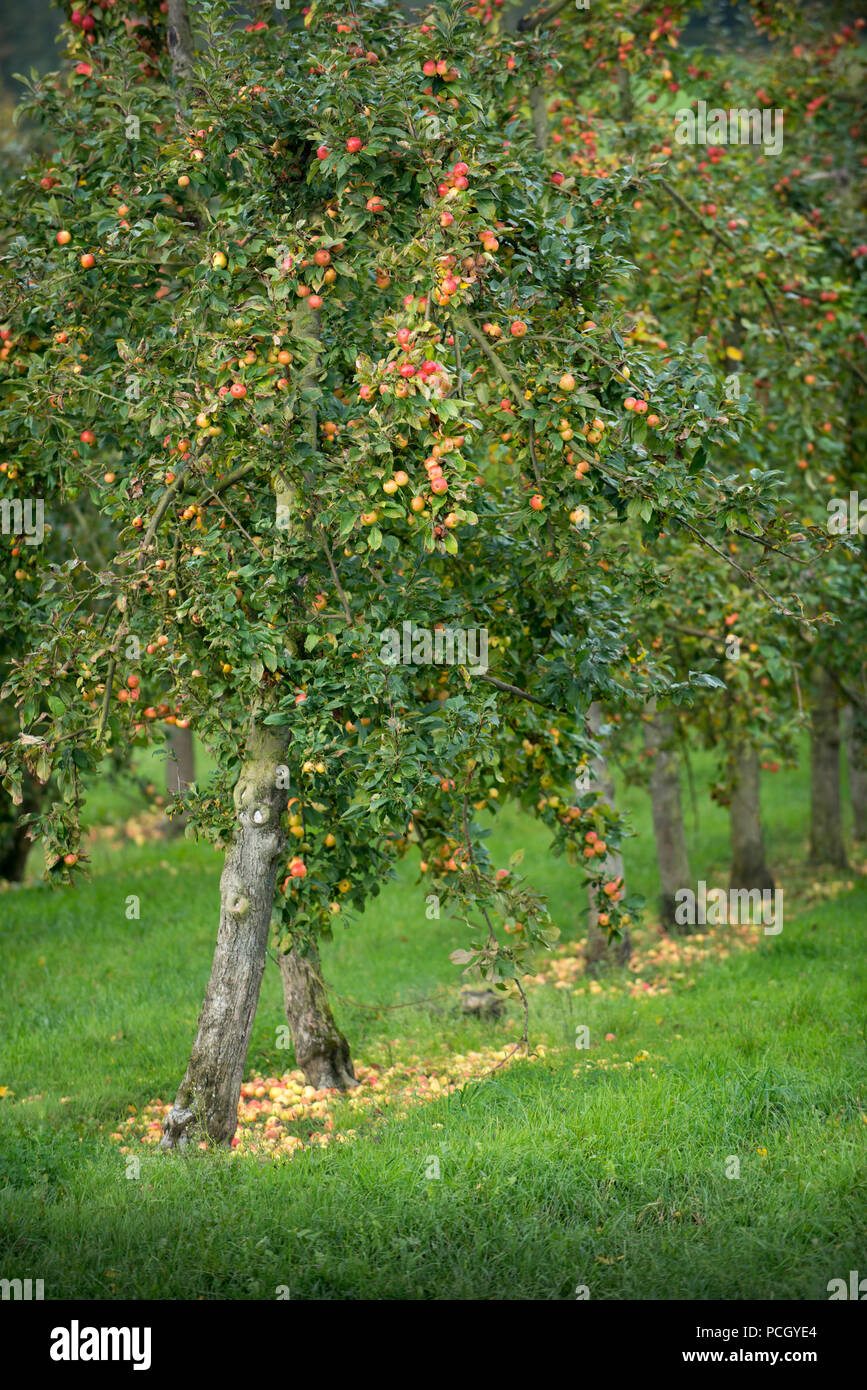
column 322, row 338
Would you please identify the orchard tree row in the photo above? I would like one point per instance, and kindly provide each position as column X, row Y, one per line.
column 323, row 324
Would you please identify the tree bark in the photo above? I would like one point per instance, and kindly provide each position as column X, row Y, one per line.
column 826, row 819
column 600, row 949
column 748, row 867
column 180, row 770
column 855, row 724
column 206, row 1106
column 668, row 828
column 321, row 1050
column 180, row 41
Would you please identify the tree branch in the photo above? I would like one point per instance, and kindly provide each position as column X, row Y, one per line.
column 512, row 690
column 729, row 246
column 541, row 17
column 501, row 369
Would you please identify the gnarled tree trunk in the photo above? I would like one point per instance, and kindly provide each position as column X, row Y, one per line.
column 856, row 757
column 826, row 819
column 600, row 949
column 321, row 1050
column 206, row 1106
column 748, row 868
column 668, row 828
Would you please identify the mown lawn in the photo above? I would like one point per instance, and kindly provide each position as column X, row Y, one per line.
column 605, row 1168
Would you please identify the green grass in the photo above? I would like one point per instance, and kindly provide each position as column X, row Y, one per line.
column 554, row 1173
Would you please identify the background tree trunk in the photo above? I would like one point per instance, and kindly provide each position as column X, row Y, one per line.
column 748, row 868
column 321, row 1050
column 600, row 949
column 856, row 755
column 14, row 849
column 206, row 1106
column 15, row 845
column 668, row 827
column 180, row 771
column 180, row 40
column 826, row 819
column 625, row 106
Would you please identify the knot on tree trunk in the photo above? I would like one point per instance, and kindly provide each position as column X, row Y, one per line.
column 255, row 794
column 176, row 1128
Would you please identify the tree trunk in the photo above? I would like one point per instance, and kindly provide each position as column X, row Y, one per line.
column 539, row 111
column 748, row 868
column 668, row 827
column 206, row 1106
column 321, row 1050
column 600, row 949
column 179, row 40
column 856, row 755
column 14, row 849
column 625, row 106
column 180, row 770
column 15, row 844
column 826, row 819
